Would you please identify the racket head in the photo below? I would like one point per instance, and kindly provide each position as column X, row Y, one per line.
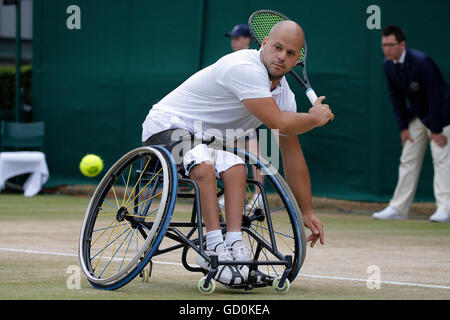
column 262, row 21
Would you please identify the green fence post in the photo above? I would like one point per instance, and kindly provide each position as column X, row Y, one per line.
column 18, row 57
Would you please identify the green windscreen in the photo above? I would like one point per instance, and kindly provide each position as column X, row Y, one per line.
column 94, row 86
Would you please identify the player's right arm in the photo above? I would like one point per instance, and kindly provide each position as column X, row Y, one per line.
column 289, row 123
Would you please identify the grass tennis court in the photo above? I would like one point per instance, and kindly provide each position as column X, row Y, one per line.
column 39, row 238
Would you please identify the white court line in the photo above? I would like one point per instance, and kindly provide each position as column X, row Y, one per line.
column 73, row 255
column 432, row 286
column 381, row 281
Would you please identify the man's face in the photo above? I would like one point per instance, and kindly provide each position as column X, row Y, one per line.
column 392, row 49
column 239, row 43
column 280, row 54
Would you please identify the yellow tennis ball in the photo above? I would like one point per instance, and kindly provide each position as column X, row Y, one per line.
column 91, row 165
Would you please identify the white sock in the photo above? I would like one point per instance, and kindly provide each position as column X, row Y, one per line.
column 232, row 237
column 213, row 238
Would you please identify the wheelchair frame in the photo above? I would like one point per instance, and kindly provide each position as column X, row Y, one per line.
column 169, row 229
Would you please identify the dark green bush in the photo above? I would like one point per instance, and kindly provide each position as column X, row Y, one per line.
column 8, row 86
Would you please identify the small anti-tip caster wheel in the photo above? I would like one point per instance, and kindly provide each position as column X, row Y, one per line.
column 146, row 272
column 284, row 288
column 209, row 289
column 145, row 275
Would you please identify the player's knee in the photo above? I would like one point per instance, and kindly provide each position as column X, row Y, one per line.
column 203, row 172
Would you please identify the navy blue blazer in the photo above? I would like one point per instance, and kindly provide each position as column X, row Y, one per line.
column 418, row 91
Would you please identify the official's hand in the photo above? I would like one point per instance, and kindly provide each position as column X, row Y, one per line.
column 312, row 222
column 405, row 136
column 321, row 111
column 439, row 138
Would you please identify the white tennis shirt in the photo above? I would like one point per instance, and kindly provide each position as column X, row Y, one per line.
column 210, row 101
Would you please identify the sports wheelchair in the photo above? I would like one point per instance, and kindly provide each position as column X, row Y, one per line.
column 131, row 219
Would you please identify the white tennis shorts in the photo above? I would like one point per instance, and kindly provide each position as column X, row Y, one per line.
column 221, row 160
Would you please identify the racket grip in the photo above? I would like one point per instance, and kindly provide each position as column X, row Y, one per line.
column 311, row 95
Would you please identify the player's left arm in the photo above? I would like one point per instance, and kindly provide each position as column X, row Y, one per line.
column 297, row 177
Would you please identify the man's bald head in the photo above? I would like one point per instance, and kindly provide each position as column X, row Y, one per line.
column 288, row 28
column 281, row 49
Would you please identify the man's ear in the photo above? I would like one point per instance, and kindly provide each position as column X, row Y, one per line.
column 264, row 42
column 403, row 43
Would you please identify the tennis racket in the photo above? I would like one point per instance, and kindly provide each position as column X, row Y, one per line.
column 260, row 23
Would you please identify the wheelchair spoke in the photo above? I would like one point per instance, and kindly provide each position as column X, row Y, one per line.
column 138, row 180
column 113, row 249
column 123, row 238
column 105, row 215
column 113, row 257
column 126, row 184
column 145, row 187
column 143, row 208
column 130, row 201
column 101, row 252
column 108, row 243
column 104, row 230
column 125, row 251
column 142, row 202
column 115, row 197
column 112, row 206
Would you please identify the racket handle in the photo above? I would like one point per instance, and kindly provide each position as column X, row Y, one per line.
column 311, row 95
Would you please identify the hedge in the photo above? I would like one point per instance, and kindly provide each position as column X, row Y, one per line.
column 8, row 86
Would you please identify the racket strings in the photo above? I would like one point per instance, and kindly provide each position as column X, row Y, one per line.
column 262, row 23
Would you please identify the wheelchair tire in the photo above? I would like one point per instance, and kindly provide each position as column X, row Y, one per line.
column 127, row 217
column 282, row 230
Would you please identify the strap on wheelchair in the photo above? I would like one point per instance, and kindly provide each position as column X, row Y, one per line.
column 166, row 138
column 170, row 138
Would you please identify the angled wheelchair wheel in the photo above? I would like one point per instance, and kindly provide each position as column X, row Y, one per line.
column 127, row 217
column 272, row 223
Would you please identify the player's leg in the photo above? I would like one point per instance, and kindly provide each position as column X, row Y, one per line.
column 199, row 166
column 234, row 180
column 233, row 173
column 203, row 174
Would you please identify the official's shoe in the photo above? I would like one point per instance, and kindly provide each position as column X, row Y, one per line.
column 388, row 213
column 228, row 275
column 440, row 216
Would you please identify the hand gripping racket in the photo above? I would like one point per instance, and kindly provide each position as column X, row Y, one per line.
column 260, row 23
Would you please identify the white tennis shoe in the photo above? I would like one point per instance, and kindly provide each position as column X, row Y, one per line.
column 228, row 275
column 240, row 252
